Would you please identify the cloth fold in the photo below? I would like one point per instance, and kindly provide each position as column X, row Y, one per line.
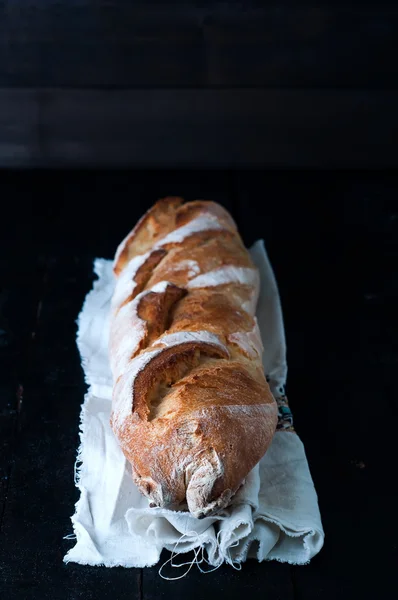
column 274, row 515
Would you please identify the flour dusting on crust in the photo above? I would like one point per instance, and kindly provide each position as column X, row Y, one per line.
column 249, row 341
column 128, row 330
column 182, row 337
column 191, row 266
column 123, row 398
column 203, row 223
column 223, row 275
column 125, row 284
column 201, row 476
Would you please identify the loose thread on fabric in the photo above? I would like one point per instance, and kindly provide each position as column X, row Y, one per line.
column 76, row 468
column 76, row 478
column 201, row 549
column 229, row 558
column 189, row 564
column 174, row 554
column 204, row 559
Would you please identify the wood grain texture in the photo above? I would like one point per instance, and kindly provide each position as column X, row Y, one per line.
column 222, row 128
column 124, row 44
column 303, row 46
column 208, row 84
column 18, row 127
column 199, row 128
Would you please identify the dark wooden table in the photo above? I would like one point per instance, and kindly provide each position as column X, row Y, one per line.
column 310, row 84
column 333, row 241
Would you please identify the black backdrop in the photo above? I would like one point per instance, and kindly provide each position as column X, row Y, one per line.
column 199, row 82
column 124, row 84
column 332, row 239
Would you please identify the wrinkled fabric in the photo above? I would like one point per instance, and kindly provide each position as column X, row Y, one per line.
column 274, row 515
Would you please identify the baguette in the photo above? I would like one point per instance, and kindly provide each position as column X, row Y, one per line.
column 191, row 407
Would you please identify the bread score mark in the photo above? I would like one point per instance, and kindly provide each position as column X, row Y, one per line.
column 224, row 275
column 138, row 382
column 248, row 341
column 158, row 218
column 139, row 322
column 134, row 277
column 227, row 275
column 198, row 225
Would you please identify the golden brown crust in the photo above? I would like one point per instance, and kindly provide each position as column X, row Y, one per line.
column 155, row 310
column 156, row 222
column 168, row 369
column 145, row 271
column 189, row 211
column 191, row 407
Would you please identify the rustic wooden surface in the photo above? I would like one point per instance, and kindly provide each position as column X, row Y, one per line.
column 332, row 239
column 118, row 43
column 200, row 83
column 202, row 128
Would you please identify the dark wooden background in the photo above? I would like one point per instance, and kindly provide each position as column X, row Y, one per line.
column 332, row 239
column 277, row 84
column 297, row 90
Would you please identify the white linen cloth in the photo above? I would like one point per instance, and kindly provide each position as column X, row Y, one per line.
column 274, row 515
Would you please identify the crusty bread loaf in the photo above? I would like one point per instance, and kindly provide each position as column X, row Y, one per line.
column 191, row 407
